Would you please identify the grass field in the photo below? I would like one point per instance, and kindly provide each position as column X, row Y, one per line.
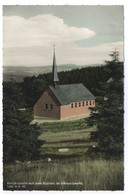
column 73, row 135
column 63, row 164
column 65, row 175
column 63, row 126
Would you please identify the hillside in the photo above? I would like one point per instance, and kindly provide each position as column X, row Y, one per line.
column 54, row 156
column 17, row 73
column 64, row 164
column 67, row 138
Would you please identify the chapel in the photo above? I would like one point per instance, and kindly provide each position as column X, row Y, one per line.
column 63, row 101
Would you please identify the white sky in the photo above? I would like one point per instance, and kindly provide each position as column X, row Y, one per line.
column 83, row 34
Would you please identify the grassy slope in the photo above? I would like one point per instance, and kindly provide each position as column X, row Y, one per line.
column 71, row 134
column 63, row 174
column 63, row 126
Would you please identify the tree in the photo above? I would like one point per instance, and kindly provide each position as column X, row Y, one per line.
column 107, row 116
column 20, row 138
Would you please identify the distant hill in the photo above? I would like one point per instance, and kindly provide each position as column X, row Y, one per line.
column 17, row 73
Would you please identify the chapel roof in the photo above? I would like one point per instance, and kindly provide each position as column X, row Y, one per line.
column 67, row 94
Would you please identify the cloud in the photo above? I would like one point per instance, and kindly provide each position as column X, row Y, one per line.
column 66, row 54
column 99, row 53
column 40, row 30
column 28, row 42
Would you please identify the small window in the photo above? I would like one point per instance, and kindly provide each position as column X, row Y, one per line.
column 51, row 106
column 76, row 104
column 79, row 104
column 83, row 103
column 86, row 103
column 90, row 102
column 72, row 105
column 93, row 102
column 46, row 106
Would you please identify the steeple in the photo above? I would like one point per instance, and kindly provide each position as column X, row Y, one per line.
column 55, row 78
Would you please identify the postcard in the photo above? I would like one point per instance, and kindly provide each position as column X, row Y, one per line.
column 63, row 97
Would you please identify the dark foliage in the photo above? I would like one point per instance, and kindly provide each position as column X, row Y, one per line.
column 20, row 138
column 108, row 114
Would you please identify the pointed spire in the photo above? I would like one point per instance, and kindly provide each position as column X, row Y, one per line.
column 55, row 78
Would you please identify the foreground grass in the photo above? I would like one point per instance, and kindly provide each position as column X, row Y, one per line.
column 65, row 175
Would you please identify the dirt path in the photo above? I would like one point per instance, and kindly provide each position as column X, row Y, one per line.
column 44, row 119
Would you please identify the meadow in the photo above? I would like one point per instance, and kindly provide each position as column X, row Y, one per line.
column 63, row 126
column 72, row 135
column 68, row 174
column 63, row 163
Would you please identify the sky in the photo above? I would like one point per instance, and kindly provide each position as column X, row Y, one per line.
column 83, row 35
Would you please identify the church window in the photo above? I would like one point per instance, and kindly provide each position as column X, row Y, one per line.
column 51, row 106
column 46, row 106
column 72, row 105
column 83, row 103
column 86, row 103
column 79, row 104
column 76, row 104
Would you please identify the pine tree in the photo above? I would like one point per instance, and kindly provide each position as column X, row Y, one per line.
column 20, row 138
column 107, row 116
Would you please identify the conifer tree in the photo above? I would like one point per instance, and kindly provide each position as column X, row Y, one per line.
column 20, row 137
column 107, row 116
